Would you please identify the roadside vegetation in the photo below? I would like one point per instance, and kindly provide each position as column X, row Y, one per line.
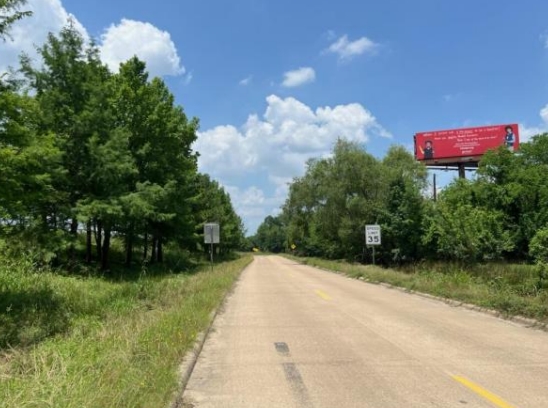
column 89, row 154
column 495, row 216
column 483, row 241
column 103, row 284
column 98, row 342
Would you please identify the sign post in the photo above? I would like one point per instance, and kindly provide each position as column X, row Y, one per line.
column 373, row 237
column 212, row 235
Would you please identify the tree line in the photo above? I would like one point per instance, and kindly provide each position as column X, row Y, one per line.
column 88, row 154
column 501, row 213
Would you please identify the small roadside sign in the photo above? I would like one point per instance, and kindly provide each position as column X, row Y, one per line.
column 212, row 233
column 372, row 235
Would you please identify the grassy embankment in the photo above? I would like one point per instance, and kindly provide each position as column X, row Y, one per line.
column 69, row 341
column 512, row 289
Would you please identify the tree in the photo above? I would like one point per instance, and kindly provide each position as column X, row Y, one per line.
column 9, row 14
column 212, row 204
column 72, row 93
column 271, row 235
column 329, row 206
column 160, row 139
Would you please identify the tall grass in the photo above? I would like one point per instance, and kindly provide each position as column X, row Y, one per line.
column 512, row 289
column 94, row 342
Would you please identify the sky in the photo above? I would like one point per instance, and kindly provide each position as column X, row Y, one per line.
column 276, row 82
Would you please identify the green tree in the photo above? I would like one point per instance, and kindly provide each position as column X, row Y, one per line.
column 213, row 204
column 271, row 235
column 9, row 14
column 160, row 140
column 72, row 93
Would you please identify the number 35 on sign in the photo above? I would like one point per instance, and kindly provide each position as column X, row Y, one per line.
column 372, row 234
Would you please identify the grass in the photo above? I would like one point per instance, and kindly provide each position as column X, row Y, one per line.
column 69, row 341
column 511, row 289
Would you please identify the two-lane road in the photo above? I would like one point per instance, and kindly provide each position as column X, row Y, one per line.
column 295, row 336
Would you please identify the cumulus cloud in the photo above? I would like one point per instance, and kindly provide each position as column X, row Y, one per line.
column 346, row 49
column 526, row 132
column 30, row 32
column 273, row 148
column 252, row 204
column 289, row 133
column 119, row 42
column 299, row 77
column 122, row 41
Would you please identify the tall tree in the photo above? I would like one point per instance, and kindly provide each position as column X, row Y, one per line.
column 10, row 13
column 70, row 87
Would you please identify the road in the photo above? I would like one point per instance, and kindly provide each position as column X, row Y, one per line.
column 294, row 336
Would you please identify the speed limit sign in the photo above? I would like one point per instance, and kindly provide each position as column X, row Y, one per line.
column 372, row 235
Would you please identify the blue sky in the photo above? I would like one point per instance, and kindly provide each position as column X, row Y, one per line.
column 275, row 82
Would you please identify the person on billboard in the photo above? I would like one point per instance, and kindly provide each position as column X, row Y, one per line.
column 428, row 151
column 509, row 138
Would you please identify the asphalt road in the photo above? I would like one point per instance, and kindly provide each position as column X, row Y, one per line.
column 295, row 336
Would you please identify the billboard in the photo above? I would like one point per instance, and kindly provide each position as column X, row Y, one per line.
column 464, row 145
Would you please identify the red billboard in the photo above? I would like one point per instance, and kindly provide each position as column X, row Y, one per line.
column 464, row 145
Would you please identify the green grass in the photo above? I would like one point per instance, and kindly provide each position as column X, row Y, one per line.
column 70, row 341
column 512, row 289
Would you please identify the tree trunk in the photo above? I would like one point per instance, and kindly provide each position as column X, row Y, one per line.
column 99, row 239
column 145, row 247
column 72, row 246
column 160, row 250
column 106, row 250
column 129, row 246
column 153, row 251
column 74, row 226
column 88, row 243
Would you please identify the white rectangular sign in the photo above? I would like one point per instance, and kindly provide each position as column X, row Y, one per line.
column 372, row 234
column 212, row 233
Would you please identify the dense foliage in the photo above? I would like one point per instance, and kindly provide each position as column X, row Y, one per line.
column 85, row 152
column 501, row 213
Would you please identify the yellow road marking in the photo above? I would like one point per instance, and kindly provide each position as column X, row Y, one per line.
column 323, row 295
column 494, row 399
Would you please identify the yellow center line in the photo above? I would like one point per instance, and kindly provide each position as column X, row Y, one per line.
column 323, row 295
column 494, row 399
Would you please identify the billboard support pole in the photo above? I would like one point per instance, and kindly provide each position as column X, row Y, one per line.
column 435, row 195
column 462, row 171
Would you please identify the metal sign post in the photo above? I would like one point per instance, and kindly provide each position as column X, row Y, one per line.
column 212, row 235
column 373, row 237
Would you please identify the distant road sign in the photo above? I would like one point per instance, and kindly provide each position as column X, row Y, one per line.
column 212, row 233
column 373, row 235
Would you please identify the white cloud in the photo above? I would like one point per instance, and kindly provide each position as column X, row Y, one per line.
column 544, row 114
column 289, row 133
column 118, row 42
column 246, row 81
column 121, row 42
column 273, row 149
column 526, row 133
column 346, row 49
column 30, row 32
column 299, row 77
